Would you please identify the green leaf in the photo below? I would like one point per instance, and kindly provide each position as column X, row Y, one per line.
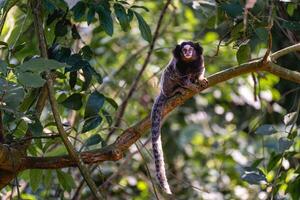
column 275, row 158
column 262, row 34
column 256, row 162
column 97, row 75
column 94, row 104
column 232, row 9
column 291, row 8
column 73, row 79
column 61, row 28
column 87, row 74
column 293, row 188
column 243, row 54
column 254, row 176
column 79, row 10
column 290, row 118
column 122, row 16
column 112, row 102
column 73, row 102
column 3, row 44
column 39, row 65
column 47, row 178
column 75, row 34
column 29, row 79
column 36, row 127
column 144, row 28
column 284, row 144
column 65, row 180
column 142, row 7
column 90, row 15
column 93, row 140
column 56, row 14
column 106, row 21
column 74, row 59
column 91, row 123
column 29, row 99
column 87, row 52
column 266, row 129
column 18, row 47
column 107, row 117
column 35, row 176
column 130, row 15
column 11, row 94
column 61, row 54
column 291, row 25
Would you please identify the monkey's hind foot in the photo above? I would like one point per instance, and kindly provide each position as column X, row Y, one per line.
column 203, row 83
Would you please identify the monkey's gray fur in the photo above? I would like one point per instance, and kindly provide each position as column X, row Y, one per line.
column 180, row 74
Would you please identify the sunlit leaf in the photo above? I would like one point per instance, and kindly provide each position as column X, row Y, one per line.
column 243, row 54
column 290, row 118
column 66, row 180
column 35, row 178
column 274, row 159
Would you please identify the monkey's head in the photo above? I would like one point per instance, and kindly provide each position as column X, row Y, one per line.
column 188, row 51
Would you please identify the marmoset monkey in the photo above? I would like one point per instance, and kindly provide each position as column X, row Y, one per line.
column 185, row 71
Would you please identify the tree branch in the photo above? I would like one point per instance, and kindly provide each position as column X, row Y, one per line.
column 116, row 150
column 131, row 135
column 285, row 51
column 49, row 81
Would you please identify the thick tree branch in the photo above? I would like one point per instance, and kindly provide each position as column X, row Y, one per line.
column 116, row 150
column 131, row 135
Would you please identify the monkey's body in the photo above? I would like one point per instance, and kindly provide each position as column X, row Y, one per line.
column 180, row 74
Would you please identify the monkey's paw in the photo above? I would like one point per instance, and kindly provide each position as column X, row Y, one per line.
column 203, row 83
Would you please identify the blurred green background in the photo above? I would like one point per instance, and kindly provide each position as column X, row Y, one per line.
column 236, row 140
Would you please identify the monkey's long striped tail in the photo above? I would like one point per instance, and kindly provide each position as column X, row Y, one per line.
column 156, row 118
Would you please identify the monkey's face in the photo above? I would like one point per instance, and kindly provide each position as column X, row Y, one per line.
column 188, row 51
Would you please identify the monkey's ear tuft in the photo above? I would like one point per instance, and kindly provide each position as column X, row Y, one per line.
column 176, row 51
column 198, row 48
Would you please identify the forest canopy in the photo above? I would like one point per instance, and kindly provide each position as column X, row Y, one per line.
column 78, row 79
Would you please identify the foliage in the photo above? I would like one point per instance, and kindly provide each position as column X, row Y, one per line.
column 230, row 142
